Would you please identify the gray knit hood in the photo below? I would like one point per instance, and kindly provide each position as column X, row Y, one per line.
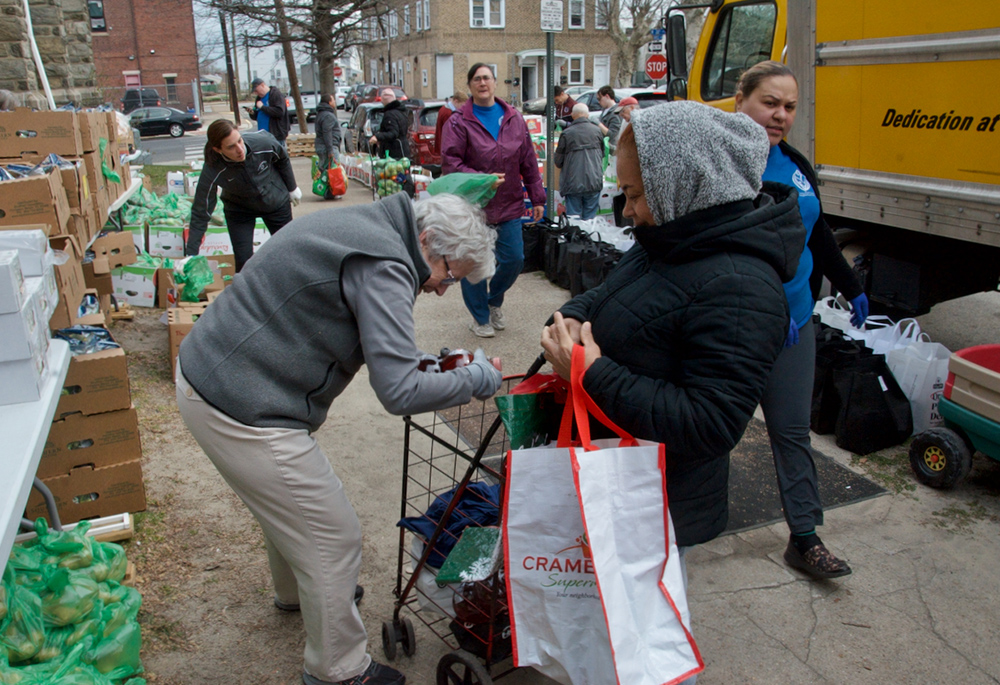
column 693, row 156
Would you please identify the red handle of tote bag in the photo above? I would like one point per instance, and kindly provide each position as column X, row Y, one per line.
column 580, row 407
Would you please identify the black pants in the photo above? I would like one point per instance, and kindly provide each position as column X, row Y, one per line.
column 241, row 223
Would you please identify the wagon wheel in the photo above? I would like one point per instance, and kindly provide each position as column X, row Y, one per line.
column 409, row 638
column 389, row 639
column 461, row 668
column 940, row 458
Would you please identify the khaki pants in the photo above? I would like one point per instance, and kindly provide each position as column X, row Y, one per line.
column 312, row 533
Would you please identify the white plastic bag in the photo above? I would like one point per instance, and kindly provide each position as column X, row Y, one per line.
column 921, row 369
column 594, row 579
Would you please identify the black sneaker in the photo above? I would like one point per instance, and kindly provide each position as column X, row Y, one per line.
column 359, row 592
column 375, row 674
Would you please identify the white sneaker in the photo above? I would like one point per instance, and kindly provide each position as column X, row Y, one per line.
column 496, row 318
column 483, row 331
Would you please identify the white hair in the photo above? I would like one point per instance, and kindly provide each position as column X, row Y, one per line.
column 458, row 230
column 580, row 110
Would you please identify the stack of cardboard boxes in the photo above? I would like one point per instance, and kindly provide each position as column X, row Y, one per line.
column 91, row 458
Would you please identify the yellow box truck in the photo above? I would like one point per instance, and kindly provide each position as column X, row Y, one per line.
column 899, row 110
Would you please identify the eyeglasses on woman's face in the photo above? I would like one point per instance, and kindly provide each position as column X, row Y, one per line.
column 482, row 79
column 451, row 280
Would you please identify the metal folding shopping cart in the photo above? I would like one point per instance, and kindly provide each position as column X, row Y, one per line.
column 459, row 453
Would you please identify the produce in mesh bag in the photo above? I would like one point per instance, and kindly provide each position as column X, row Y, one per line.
column 70, row 598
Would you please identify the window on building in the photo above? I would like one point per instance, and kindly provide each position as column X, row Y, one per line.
column 423, row 77
column 277, row 74
column 171, row 83
column 486, row 14
column 400, row 82
column 97, row 22
column 364, row 31
column 601, row 10
column 406, row 20
column 576, row 69
column 277, row 54
column 427, row 15
column 394, row 24
column 420, row 15
column 576, row 14
column 373, row 71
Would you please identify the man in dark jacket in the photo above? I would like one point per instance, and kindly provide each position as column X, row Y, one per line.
column 580, row 156
column 564, row 104
column 681, row 337
column 611, row 121
column 392, row 132
column 327, row 135
column 270, row 111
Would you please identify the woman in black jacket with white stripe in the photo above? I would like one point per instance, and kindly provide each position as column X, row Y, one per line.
column 255, row 175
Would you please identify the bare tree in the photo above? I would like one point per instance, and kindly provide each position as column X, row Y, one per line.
column 629, row 23
column 325, row 28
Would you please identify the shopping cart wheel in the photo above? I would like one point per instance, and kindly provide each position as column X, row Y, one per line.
column 389, row 639
column 409, row 639
column 461, row 668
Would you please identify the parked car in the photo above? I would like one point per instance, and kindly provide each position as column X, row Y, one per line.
column 159, row 121
column 366, row 119
column 353, row 96
column 309, row 100
column 423, row 126
column 647, row 97
column 374, row 93
column 135, row 98
column 340, row 97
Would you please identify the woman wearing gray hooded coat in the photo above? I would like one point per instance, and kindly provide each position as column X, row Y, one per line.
column 681, row 336
column 327, row 136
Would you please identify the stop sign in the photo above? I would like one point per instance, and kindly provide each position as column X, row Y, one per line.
column 338, row 72
column 656, row 66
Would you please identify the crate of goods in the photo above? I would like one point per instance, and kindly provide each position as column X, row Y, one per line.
column 97, row 379
column 35, row 200
column 24, row 131
column 166, row 238
column 180, row 321
column 136, row 283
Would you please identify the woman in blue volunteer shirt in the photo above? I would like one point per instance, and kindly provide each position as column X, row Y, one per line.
column 768, row 93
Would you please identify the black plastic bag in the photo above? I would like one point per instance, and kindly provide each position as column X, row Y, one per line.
column 833, row 350
column 874, row 412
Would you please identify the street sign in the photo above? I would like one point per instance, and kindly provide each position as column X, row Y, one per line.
column 552, row 15
column 656, row 67
column 655, row 46
column 338, row 72
column 658, row 34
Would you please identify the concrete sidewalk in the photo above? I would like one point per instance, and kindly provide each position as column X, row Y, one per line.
column 922, row 606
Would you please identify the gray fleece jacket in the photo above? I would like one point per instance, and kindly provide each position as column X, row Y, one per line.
column 580, row 156
column 329, row 292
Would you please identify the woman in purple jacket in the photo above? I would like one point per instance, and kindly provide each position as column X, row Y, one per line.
column 488, row 136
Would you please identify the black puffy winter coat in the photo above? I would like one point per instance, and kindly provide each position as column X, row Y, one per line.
column 689, row 324
column 392, row 132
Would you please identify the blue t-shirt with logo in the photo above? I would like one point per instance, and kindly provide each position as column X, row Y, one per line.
column 781, row 169
column 264, row 121
column 490, row 117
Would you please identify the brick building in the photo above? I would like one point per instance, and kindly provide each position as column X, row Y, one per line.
column 147, row 43
column 427, row 46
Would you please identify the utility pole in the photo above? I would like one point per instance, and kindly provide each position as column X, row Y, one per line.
column 236, row 55
column 234, row 102
column 293, row 77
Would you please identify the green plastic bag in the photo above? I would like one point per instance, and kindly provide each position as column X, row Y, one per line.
column 24, row 633
column 532, row 411
column 321, row 183
column 478, row 189
column 72, row 548
column 117, row 655
column 69, row 599
column 197, row 275
column 109, row 174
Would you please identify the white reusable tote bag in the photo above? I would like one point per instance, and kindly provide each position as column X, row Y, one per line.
column 562, row 622
column 921, row 369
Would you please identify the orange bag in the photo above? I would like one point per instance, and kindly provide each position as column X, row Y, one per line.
column 338, row 180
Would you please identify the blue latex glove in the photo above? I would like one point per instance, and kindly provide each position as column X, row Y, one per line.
column 793, row 334
column 859, row 310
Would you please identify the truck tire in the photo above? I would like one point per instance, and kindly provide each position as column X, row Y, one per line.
column 940, row 458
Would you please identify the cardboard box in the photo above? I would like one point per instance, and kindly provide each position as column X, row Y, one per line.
column 70, row 282
column 217, row 241
column 76, row 186
column 32, row 245
column 21, row 380
column 95, row 383
column 23, row 131
column 102, row 283
column 166, row 241
column 19, row 330
column 180, row 321
column 87, row 492
column 11, row 282
column 34, row 200
column 98, row 440
column 112, row 250
column 135, row 284
column 168, row 292
column 93, row 127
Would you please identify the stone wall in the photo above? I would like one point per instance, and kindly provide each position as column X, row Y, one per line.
column 62, row 33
